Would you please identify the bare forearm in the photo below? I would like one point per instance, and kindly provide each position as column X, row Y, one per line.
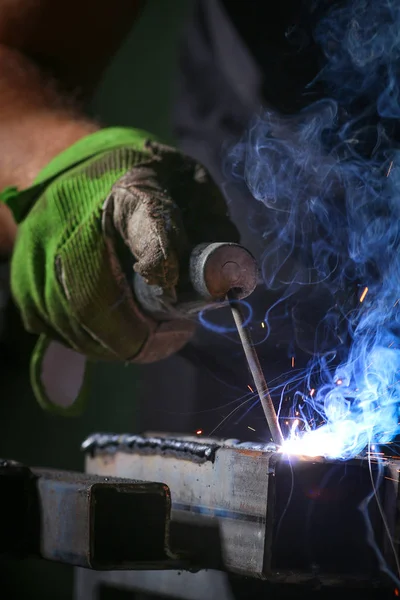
column 52, row 54
column 37, row 121
column 71, row 39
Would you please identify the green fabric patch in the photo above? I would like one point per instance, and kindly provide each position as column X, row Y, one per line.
column 61, row 239
column 61, row 277
column 20, row 202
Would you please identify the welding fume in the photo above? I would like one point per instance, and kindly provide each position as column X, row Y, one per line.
column 329, row 178
column 286, row 179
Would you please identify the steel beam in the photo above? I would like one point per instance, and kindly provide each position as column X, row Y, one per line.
column 246, row 509
column 96, row 522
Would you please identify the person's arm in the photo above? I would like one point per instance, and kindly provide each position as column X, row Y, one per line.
column 52, row 54
column 112, row 205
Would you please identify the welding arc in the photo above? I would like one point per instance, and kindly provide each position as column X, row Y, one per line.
column 255, row 369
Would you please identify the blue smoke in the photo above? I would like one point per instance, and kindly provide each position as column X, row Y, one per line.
column 329, row 182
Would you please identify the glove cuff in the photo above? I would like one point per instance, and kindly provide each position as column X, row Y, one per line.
column 21, row 201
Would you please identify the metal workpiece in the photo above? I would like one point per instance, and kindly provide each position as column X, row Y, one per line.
column 103, row 523
column 256, row 513
column 96, row 522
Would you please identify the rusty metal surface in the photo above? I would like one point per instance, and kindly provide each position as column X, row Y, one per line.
column 251, row 512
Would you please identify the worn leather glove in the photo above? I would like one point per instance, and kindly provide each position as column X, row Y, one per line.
column 116, row 202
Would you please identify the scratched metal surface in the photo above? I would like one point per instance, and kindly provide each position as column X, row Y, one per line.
column 231, row 505
column 251, row 512
column 89, row 521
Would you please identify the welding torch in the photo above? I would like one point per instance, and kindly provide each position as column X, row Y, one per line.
column 219, row 274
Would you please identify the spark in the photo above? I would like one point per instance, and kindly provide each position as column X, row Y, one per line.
column 391, row 479
column 292, row 362
column 396, row 592
column 199, row 431
column 312, row 392
column 396, row 303
column 365, row 292
column 339, row 382
column 251, row 389
column 393, row 384
column 252, row 429
column 389, row 169
column 263, row 324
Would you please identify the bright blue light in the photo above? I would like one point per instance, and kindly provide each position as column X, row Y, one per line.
column 329, row 179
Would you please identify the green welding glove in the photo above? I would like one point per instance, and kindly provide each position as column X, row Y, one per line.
column 116, row 202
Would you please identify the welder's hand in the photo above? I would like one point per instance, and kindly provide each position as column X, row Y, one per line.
column 162, row 208
column 113, row 203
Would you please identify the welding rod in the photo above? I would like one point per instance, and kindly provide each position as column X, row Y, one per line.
column 217, row 271
column 256, row 370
